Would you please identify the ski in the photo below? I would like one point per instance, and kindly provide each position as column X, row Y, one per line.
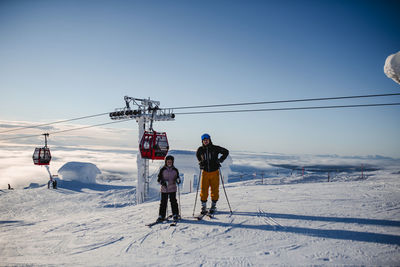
column 152, row 224
column 200, row 216
column 208, row 214
column 156, row 222
column 175, row 220
column 211, row 213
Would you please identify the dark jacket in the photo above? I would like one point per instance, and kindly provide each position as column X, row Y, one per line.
column 208, row 157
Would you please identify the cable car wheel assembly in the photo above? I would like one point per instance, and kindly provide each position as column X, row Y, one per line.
column 152, row 145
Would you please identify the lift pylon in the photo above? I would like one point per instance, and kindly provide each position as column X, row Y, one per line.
column 147, row 111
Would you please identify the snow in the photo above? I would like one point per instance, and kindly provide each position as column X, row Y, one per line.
column 392, row 67
column 284, row 219
column 79, row 171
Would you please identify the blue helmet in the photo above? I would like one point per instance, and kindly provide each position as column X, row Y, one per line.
column 205, row 136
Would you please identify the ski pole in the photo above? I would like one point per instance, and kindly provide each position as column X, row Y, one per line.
column 223, row 186
column 197, row 192
column 179, row 199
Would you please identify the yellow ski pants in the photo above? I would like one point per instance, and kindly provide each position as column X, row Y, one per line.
column 209, row 179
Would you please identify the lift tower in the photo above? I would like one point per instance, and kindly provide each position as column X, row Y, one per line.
column 146, row 112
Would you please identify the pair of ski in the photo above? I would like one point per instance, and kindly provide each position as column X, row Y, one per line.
column 173, row 223
column 202, row 215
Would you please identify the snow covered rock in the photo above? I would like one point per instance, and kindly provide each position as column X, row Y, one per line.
column 79, row 171
column 392, row 67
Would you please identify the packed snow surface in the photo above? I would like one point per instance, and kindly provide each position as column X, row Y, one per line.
column 281, row 216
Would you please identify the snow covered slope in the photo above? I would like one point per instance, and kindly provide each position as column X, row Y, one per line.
column 289, row 220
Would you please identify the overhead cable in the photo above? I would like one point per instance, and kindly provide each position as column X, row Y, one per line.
column 221, row 111
column 86, row 127
column 233, row 104
column 281, row 109
column 56, row 122
column 68, row 130
column 286, row 101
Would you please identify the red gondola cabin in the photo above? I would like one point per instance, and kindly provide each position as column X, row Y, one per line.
column 41, row 156
column 154, row 145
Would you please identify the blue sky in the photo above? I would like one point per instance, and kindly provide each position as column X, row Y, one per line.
column 66, row 59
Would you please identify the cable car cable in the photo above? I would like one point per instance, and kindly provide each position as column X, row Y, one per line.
column 220, row 111
column 56, row 122
column 225, row 105
column 68, row 130
column 287, row 101
column 91, row 126
column 283, row 109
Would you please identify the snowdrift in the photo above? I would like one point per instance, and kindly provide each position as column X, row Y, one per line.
column 79, row 171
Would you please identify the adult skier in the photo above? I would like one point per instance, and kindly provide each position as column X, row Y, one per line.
column 210, row 162
column 168, row 177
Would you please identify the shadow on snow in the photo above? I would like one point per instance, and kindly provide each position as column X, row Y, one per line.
column 319, row 218
column 322, row 233
column 14, row 223
column 78, row 186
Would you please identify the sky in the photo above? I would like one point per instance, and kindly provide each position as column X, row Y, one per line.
column 66, row 59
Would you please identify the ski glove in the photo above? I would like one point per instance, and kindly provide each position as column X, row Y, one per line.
column 178, row 180
column 163, row 183
column 201, row 165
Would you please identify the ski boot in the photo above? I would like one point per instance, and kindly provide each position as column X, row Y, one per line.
column 213, row 207
column 160, row 219
column 203, row 207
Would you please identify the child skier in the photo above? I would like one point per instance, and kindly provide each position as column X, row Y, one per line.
column 168, row 177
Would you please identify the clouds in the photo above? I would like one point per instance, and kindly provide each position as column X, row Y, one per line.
column 392, row 67
column 113, row 150
column 269, row 161
column 17, row 168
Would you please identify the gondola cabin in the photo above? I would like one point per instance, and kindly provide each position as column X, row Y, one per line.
column 41, row 156
column 154, row 145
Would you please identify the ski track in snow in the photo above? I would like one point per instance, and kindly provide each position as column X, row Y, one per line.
column 352, row 222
